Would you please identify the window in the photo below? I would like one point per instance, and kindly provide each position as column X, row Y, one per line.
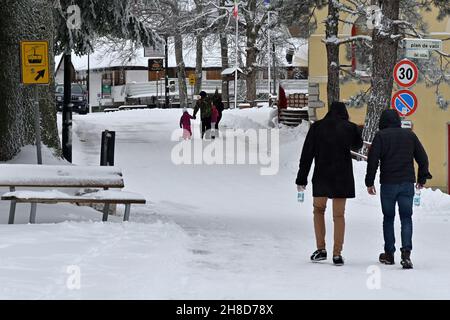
column 119, row 77
column 361, row 54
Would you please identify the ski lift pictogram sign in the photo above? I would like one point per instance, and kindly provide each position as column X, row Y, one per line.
column 405, row 102
column 34, row 61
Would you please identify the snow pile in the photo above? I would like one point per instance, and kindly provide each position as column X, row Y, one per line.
column 28, row 155
column 93, row 260
column 434, row 202
column 252, row 118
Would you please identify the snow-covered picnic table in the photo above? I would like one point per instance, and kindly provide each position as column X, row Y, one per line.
column 51, row 178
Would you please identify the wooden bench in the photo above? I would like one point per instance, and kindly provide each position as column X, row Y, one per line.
column 57, row 177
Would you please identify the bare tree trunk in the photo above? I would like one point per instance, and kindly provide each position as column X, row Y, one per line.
column 225, row 65
column 384, row 59
column 24, row 20
column 332, row 30
column 251, row 71
column 252, row 51
column 199, row 65
column 224, row 55
column 199, row 50
column 181, row 69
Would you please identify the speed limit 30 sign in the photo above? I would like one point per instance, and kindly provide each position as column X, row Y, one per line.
column 406, row 73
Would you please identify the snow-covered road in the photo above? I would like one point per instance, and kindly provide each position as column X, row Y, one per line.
column 212, row 231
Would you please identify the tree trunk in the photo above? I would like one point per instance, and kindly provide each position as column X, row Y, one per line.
column 332, row 30
column 384, row 60
column 181, row 69
column 225, row 65
column 199, row 65
column 24, row 20
column 199, row 50
column 250, row 69
column 224, row 55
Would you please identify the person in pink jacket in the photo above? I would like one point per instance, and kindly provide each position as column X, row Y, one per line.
column 214, row 119
column 185, row 124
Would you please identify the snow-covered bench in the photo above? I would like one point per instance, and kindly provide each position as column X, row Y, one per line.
column 51, row 178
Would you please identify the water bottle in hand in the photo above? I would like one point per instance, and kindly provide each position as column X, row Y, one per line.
column 417, row 197
column 301, row 196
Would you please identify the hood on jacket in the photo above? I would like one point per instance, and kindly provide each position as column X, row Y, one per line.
column 338, row 110
column 390, row 119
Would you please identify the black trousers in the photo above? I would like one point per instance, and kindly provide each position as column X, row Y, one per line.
column 206, row 126
column 218, row 121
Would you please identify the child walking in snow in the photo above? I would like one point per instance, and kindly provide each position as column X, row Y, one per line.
column 185, row 124
column 214, row 119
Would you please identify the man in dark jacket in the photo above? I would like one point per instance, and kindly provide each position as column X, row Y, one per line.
column 329, row 143
column 395, row 149
column 204, row 105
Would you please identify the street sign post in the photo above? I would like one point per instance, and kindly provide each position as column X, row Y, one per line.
column 422, row 44
column 192, row 79
column 417, row 54
column 35, row 64
column 35, row 71
column 406, row 73
column 405, row 102
column 154, row 52
column 192, row 82
column 156, row 65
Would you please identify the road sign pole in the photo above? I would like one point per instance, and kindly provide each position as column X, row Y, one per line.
column 167, row 71
column 67, row 112
column 37, row 125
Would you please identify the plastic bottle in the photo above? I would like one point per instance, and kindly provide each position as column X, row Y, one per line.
column 301, row 196
column 417, row 198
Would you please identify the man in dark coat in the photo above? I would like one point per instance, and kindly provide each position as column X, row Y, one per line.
column 395, row 149
column 329, row 143
column 204, row 105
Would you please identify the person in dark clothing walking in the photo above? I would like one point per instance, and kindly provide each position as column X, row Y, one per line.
column 204, row 105
column 395, row 149
column 217, row 101
column 329, row 143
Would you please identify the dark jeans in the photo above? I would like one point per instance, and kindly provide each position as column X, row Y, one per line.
column 403, row 194
column 206, row 127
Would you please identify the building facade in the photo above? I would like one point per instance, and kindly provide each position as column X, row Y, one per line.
column 430, row 122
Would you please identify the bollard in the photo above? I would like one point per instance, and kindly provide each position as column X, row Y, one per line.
column 107, row 159
column 107, row 148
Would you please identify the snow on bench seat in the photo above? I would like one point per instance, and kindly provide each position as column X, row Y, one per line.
column 54, row 196
column 44, row 176
column 19, row 175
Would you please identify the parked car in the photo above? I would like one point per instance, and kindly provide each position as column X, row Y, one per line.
column 79, row 98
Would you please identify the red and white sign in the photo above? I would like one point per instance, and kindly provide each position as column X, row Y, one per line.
column 405, row 102
column 406, row 73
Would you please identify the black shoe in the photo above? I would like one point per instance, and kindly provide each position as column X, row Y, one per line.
column 338, row 261
column 406, row 260
column 387, row 258
column 319, row 255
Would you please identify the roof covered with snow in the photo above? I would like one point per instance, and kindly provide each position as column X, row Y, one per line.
column 121, row 55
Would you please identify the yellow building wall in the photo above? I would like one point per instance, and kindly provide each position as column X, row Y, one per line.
column 430, row 122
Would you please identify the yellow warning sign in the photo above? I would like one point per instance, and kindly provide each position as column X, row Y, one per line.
column 192, row 79
column 34, row 59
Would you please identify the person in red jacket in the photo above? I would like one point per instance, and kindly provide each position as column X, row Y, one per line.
column 185, row 124
column 214, row 119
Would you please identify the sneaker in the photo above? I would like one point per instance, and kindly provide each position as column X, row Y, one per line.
column 319, row 255
column 387, row 258
column 338, row 260
column 406, row 260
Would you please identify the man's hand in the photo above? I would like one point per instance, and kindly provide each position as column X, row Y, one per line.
column 301, row 188
column 372, row 191
column 419, row 186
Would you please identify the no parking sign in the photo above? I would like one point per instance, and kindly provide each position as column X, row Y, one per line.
column 405, row 102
